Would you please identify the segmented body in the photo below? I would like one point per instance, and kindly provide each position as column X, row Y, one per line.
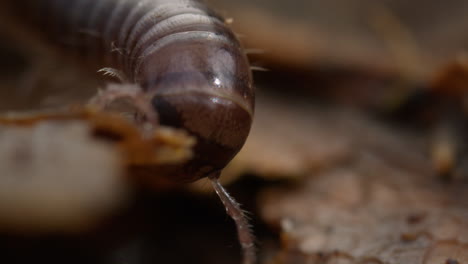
column 182, row 55
column 184, row 59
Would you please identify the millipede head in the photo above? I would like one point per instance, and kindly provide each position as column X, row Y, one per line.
column 205, row 87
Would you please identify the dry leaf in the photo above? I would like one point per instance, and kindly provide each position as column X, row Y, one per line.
column 56, row 177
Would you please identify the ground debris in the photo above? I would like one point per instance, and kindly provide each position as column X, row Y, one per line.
column 146, row 146
column 62, row 171
column 375, row 36
column 377, row 207
column 318, row 138
column 56, row 177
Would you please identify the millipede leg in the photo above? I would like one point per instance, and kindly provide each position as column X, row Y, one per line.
column 246, row 238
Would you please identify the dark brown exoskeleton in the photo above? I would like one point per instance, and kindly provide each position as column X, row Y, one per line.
column 188, row 67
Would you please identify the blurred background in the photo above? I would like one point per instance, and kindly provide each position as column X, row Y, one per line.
column 357, row 153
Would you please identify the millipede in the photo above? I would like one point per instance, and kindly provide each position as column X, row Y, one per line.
column 187, row 69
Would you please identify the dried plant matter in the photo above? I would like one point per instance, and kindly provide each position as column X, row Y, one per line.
column 375, row 36
column 383, row 204
column 292, row 138
column 64, row 171
column 156, row 146
column 56, row 177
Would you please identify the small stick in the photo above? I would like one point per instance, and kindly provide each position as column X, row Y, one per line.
column 244, row 233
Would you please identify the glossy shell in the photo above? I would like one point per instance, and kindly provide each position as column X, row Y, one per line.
column 179, row 51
